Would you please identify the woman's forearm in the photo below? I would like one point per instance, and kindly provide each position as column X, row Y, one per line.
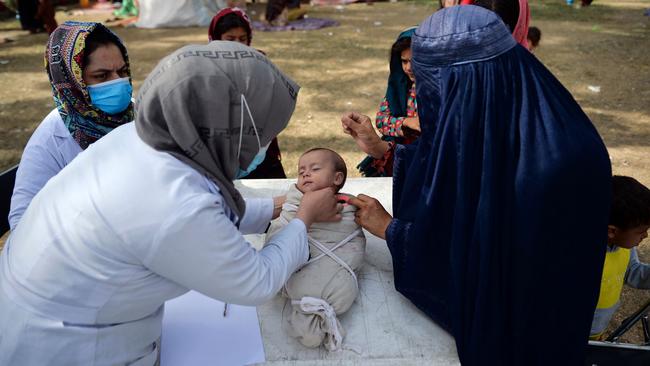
column 379, row 149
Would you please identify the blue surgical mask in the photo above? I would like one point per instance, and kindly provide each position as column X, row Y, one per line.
column 261, row 154
column 257, row 160
column 112, row 96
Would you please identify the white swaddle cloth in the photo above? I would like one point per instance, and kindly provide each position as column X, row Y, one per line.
column 327, row 285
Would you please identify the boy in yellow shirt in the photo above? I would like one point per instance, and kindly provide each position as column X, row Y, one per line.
column 628, row 225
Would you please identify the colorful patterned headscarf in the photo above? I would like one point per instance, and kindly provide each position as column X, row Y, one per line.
column 64, row 57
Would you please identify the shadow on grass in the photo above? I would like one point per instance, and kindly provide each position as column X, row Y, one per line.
column 619, row 131
column 298, row 144
column 16, row 130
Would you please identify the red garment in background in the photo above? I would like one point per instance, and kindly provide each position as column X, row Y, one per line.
column 521, row 29
column 46, row 14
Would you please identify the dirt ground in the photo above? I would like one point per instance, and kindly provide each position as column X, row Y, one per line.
column 606, row 45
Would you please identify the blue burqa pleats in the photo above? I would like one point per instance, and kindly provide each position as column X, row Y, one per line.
column 501, row 207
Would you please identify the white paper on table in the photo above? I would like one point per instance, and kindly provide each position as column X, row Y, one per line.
column 195, row 332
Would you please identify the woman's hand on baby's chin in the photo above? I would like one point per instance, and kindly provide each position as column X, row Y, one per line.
column 319, row 206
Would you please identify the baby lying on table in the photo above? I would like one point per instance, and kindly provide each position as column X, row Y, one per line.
column 327, row 285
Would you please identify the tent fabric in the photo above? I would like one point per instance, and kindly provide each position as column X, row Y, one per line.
column 501, row 206
column 177, row 13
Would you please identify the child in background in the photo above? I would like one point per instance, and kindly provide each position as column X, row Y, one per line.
column 628, row 226
column 397, row 119
column 327, row 285
column 399, row 107
column 232, row 24
column 534, row 37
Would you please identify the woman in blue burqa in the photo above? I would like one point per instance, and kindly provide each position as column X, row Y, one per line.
column 501, row 206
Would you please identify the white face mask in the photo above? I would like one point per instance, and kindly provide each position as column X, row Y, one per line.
column 261, row 154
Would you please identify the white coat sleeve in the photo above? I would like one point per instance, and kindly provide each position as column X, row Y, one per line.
column 257, row 216
column 37, row 166
column 201, row 249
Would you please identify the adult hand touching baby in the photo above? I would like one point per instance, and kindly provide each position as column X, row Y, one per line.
column 371, row 215
column 319, row 206
column 278, row 201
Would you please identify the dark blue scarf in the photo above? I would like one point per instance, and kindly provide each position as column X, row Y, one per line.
column 501, row 206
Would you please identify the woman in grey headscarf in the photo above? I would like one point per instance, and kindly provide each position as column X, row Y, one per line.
column 149, row 212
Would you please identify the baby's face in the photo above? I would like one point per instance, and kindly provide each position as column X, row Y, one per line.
column 316, row 171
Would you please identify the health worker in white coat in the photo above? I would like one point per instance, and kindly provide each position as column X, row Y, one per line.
column 89, row 72
column 150, row 211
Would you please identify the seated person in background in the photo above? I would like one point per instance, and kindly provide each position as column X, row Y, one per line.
column 628, row 226
column 281, row 12
column 232, row 24
column 327, row 285
column 89, row 72
column 397, row 119
column 516, row 16
column 37, row 16
column 127, row 10
column 534, row 37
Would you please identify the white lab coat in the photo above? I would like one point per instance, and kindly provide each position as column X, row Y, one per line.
column 108, row 240
column 49, row 150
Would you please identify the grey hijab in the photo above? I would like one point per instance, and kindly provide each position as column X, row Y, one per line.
column 191, row 107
